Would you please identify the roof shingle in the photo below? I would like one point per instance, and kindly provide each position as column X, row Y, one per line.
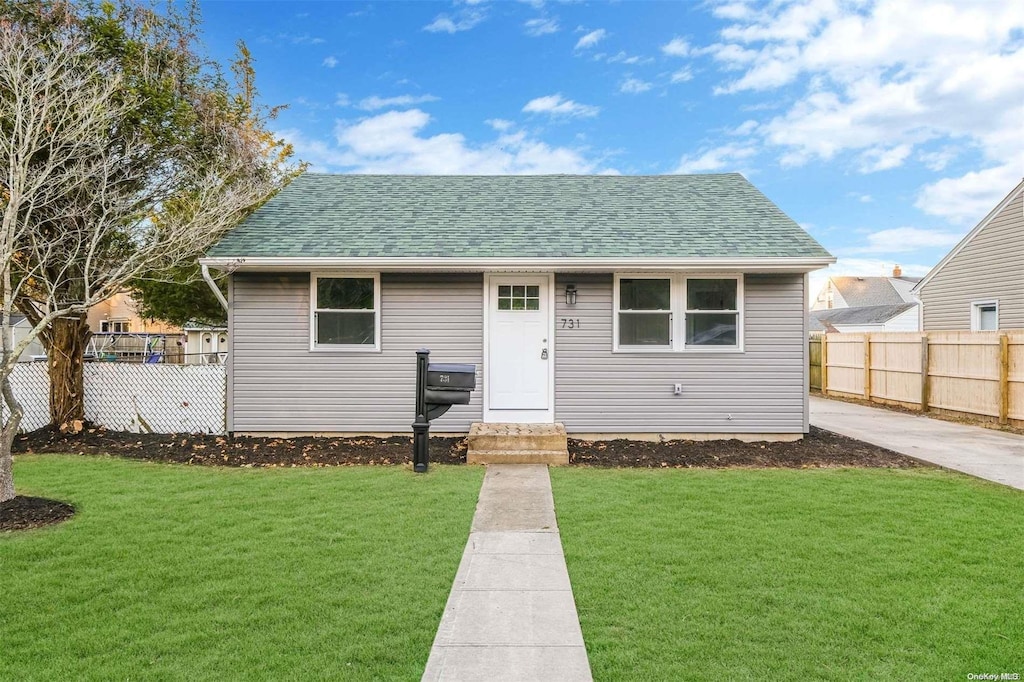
column 671, row 216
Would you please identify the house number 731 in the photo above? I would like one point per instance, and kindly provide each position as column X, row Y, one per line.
column 570, row 323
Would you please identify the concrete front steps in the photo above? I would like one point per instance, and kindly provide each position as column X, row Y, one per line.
column 517, row 444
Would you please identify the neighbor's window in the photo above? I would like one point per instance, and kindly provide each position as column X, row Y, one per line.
column 345, row 311
column 116, row 326
column 712, row 314
column 985, row 316
column 645, row 312
column 678, row 312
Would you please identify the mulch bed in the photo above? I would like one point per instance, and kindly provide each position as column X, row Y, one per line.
column 239, row 451
column 818, row 449
column 22, row 513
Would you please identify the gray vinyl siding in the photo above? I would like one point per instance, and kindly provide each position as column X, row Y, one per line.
column 763, row 388
column 279, row 384
column 990, row 266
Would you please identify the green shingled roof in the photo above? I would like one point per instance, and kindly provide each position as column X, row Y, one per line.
column 558, row 216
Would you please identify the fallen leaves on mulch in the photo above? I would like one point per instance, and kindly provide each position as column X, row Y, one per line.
column 818, row 449
column 22, row 513
column 239, row 451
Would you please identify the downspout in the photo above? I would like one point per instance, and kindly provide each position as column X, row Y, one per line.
column 213, row 287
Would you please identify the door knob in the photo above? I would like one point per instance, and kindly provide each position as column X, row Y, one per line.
column 544, row 354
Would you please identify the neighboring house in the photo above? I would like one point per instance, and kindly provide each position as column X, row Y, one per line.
column 617, row 305
column 875, row 318
column 120, row 334
column 118, row 315
column 20, row 327
column 867, row 304
column 979, row 285
column 205, row 344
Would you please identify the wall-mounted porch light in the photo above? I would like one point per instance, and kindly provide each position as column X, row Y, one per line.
column 570, row 294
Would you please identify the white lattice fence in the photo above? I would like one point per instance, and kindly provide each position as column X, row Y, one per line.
column 30, row 382
column 129, row 397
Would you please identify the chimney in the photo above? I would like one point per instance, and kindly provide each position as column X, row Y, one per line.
column 897, row 271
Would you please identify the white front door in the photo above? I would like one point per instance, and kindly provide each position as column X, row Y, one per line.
column 519, row 355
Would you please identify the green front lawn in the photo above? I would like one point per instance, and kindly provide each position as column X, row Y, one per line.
column 173, row 572
column 794, row 575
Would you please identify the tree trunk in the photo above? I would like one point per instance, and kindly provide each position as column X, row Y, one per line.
column 10, row 428
column 68, row 337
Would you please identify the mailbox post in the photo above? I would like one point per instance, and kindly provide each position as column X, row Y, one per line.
column 438, row 387
column 421, row 427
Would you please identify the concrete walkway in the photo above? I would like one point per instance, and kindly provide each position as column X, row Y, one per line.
column 511, row 613
column 975, row 450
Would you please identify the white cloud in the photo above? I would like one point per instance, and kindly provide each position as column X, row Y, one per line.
column 541, row 26
column 716, row 159
column 591, row 39
column 970, row 197
column 677, row 47
column 903, row 239
column 624, row 58
column 744, row 128
column 885, row 82
column 634, row 86
column 330, row 62
column 939, row 159
column 342, row 100
column 303, row 39
column 464, row 20
column 375, row 102
column 396, row 142
column 556, row 105
column 682, row 75
column 499, row 124
column 879, row 159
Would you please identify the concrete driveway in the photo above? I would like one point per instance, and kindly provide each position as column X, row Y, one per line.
column 974, row 450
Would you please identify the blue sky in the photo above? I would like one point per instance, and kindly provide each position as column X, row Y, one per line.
column 886, row 128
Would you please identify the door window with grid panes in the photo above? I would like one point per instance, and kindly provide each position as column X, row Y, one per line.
column 518, row 297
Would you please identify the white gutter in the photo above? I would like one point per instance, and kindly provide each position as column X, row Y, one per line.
column 410, row 264
column 213, row 285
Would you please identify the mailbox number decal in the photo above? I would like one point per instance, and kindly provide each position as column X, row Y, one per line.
column 444, row 379
column 570, row 323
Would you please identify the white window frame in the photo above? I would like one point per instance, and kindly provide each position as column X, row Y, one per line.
column 976, row 307
column 678, row 310
column 313, row 310
column 672, row 315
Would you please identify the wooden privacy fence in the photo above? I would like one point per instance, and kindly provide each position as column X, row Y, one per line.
column 960, row 373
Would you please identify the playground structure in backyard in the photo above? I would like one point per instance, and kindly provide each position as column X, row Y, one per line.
column 135, row 347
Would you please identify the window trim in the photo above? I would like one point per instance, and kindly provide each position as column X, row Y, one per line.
column 313, row 310
column 976, row 307
column 106, row 326
column 678, row 312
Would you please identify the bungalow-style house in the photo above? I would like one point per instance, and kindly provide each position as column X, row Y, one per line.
column 616, row 305
column 979, row 285
column 866, row 304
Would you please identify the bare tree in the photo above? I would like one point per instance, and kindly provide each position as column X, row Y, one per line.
column 73, row 219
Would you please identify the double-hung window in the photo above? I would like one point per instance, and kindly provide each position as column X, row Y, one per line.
column 345, row 312
column 645, row 312
column 712, row 312
column 678, row 312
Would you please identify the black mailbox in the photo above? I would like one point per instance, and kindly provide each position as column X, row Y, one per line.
column 449, row 384
column 438, row 387
column 447, row 377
